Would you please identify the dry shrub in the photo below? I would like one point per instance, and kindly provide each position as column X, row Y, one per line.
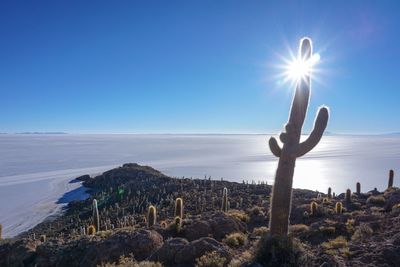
column 362, row 232
column 236, row 240
column 211, row 259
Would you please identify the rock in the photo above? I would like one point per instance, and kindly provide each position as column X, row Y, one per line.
column 166, row 254
column 90, row 251
column 83, row 178
column 141, row 243
column 198, row 248
column 196, row 230
column 395, row 240
column 392, row 198
column 222, row 225
column 19, row 253
column 390, row 254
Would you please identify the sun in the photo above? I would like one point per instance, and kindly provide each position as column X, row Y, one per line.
column 295, row 68
column 299, row 68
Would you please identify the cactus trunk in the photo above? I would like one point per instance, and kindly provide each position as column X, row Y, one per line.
column 391, row 176
column 96, row 218
column 225, row 200
column 292, row 148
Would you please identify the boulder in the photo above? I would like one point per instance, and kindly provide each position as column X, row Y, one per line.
column 19, row 253
column 392, row 198
column 197, row 229
column 198, row 248
column 92, row 250
column 166, row 254
column 222, row 225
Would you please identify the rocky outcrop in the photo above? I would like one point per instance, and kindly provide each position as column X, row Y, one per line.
column 19, row 253
column 197, row 248
column 197, row 229
column 166, row 254
column 90, row 251
column 222, row 225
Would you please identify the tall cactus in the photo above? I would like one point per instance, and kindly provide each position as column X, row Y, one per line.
column 178, row 208
column 225, row 200
column 292, row 148
column 391, row 176
column 358, row 188
column 96, row 218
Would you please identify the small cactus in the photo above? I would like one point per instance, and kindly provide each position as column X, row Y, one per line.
column 178, row 223
column 358, row 188
column 96, row 218
column 339, row 207
column 391, row 176
column 151, row 216
column 348, row 195
column 313, row 208
column 329, row 192
column 178, row 208
column 225, row 200
column 91, row 230
column 43, row 238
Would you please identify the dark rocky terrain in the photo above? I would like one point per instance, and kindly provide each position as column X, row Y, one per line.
column 366, row 232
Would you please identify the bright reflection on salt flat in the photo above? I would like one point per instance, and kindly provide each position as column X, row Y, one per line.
column 35, row 170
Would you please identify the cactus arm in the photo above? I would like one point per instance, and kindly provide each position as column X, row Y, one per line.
column 274, row 147
column 316, row 134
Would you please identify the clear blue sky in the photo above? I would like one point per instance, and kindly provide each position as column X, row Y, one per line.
column 193, row 66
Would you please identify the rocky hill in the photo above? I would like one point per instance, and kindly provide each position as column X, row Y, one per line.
column 353, row 229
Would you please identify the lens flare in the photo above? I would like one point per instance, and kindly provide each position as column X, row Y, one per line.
column 298, row 68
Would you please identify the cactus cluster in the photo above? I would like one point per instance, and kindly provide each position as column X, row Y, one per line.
column 293, row 148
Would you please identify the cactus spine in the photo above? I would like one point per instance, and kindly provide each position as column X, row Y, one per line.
column 339, row 207
column 292, row 148
column 391, row 176
column 329, row 192
column 348, row 195
column 313, row 208
column 178, row 208
column 225, row 200
column 358, row 188
column 151, row 216
column 96, row 218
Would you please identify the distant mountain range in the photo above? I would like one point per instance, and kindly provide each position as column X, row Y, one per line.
column 42, row 133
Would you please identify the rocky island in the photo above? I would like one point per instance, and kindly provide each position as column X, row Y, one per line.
column 137, row 216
